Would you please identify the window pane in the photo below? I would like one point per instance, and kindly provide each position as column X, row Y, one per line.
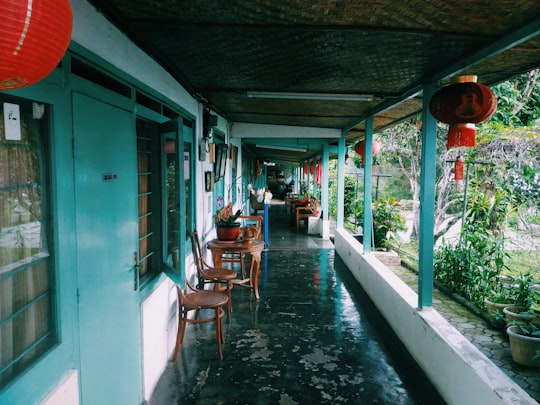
column 27, row 327
column 149, row 176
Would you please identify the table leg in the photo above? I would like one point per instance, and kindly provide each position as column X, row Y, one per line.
column 254, row 272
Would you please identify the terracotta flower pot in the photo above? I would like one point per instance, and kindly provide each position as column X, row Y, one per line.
column 228, row 232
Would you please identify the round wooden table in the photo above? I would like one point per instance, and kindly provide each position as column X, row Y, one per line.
column 254, row 248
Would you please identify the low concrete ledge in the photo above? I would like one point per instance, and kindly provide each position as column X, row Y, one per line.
column 461, row 373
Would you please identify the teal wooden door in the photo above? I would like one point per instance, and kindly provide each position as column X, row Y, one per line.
column 106, row 232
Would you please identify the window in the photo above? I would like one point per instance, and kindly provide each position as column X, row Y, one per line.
column 27, row 299
column 149, row 181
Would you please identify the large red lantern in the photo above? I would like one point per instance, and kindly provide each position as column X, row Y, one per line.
column 360, row 147
column 462, row 105
column 35, row 35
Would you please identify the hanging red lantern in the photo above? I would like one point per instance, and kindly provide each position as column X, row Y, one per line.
column 462, row 105
column 360, row 147
column 459, row 169
column 318, row 177
column 312, row 168
column 35, row 36
column 305, row 168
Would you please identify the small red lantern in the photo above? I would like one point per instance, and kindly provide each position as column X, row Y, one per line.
column 311, row 168
column 462, row 105
column 459, row 169
column 360, row 146
column 35, row 36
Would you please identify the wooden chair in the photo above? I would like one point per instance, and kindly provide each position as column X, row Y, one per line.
column 299, row 202
column 195, row 301
column 310, row 210
column 207, row 274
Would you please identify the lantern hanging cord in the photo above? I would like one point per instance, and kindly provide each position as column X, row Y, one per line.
column 25, row 28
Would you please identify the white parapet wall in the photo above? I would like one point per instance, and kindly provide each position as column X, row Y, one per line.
column 461, row 373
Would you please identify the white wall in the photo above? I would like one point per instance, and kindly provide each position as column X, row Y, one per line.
column 460, row 372
column 159, row 326
column 66, row 393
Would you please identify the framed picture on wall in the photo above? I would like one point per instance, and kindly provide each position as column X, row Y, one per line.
column 208, row 181
column 221, row 161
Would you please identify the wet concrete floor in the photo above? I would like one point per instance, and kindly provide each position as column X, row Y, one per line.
column 312, row 338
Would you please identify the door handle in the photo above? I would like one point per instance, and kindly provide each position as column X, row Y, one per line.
column 135, row 271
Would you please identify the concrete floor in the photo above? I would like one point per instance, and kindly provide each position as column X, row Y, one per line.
column 313, row 337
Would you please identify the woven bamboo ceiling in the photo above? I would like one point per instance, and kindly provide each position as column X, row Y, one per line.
column 221, row 50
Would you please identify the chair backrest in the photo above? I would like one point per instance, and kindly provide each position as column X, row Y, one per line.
column 196, row 249
column 255, row 222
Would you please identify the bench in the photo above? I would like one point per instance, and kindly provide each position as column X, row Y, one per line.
column 309, row 210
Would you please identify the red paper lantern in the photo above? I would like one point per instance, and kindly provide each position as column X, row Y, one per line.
column 311, row 168
column 462, row 105
column 459, row 169
column 360, row 147
column 35, row 35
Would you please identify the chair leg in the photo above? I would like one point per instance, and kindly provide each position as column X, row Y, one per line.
column 229, row 303
column 219, row 333
column 180, row 333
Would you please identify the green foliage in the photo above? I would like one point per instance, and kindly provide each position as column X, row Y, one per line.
column 387, row 220
column 472, row 267
column 350, row 196
column 529, row 327
column 524, row 91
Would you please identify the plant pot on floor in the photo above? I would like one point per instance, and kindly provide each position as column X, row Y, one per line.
column 495, row 313
column 515, row 313
column 523, row 348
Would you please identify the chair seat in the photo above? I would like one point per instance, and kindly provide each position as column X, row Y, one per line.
column 205, row 299
column 220, row 274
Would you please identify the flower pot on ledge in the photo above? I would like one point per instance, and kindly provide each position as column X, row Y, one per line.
column 228, row 232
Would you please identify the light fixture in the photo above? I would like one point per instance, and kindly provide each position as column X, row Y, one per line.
column 282, row 148
column 310, row 96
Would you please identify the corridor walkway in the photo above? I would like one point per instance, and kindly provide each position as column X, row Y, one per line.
column 313, row 338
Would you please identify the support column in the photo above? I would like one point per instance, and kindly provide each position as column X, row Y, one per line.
column 341, row 182
column 427, row 202
column 368, row 160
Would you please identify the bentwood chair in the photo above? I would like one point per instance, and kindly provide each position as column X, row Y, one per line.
column 207, row 274
column 195, row 301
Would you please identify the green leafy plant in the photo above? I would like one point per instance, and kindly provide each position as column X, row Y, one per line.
column 226, row 218
column 472, row 267
column 530, row 327
column 387, row 221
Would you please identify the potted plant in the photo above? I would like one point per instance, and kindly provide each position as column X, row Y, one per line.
column 525, row 297
column 499, row 297
column 524, row 339
column 227, row 229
